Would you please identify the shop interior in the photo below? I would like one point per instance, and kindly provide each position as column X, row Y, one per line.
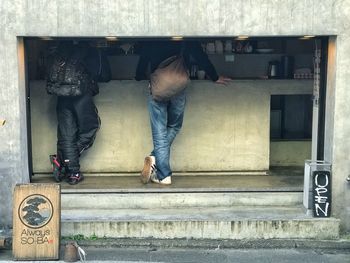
column 257, row 62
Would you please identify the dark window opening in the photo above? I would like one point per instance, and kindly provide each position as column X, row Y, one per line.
column 291, row 117
column 253, row 58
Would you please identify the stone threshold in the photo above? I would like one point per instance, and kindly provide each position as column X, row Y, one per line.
column 98, row 183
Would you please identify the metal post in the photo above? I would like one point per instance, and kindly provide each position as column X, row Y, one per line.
column 316, row 96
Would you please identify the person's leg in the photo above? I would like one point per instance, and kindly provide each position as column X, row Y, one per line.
column 58, row 170
column 176, row 110
column 67, row 132
column 88, row 122
column 161, row 148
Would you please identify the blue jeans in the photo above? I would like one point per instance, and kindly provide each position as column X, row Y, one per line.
column 166, row 121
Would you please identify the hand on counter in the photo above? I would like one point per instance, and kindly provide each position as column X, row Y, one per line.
column 223, row 80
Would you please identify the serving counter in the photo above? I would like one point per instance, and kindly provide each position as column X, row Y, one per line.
column 226, row 128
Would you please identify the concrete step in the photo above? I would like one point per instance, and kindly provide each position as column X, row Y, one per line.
column 95, row 183
column 177, row 200
column 237, row 222
column 195, row 207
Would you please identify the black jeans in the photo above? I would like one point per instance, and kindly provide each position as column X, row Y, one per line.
column 78, row 123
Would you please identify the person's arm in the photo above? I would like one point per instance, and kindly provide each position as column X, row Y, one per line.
column 142, row 64
column 105, row 72
column 202, row 59
column 223, row 80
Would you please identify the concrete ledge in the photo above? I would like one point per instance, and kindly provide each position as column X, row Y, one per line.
column 259, row 229
column 171, row 200
column 125, row 136
column 200, row 223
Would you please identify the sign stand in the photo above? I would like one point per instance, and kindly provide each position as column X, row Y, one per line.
column 36, row 222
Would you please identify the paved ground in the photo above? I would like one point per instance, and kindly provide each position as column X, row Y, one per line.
column 206, row 255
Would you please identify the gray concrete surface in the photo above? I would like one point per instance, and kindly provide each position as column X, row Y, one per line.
column 220, row 121
column 285, row 153
column 159, row 18
column 129, row 255
column 235, row 222
column 183, row 183
column 175, row 200
column 194, row 207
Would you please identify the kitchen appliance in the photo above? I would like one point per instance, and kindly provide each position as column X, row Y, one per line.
column 273, row 71
column 201, row 74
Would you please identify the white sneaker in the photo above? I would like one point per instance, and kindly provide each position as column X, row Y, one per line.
column 166, row 180
column 149, row 168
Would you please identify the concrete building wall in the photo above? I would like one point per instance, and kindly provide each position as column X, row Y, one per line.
column 167, row 18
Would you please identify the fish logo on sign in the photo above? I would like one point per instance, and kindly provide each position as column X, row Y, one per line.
column 35, row 211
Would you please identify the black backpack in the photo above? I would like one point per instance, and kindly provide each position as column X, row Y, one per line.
column 68, row 77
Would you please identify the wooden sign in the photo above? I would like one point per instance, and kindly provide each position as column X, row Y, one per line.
column 36, row 222
column 321, row 189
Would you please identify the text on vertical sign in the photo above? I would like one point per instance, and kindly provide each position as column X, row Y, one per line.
column 321, row 189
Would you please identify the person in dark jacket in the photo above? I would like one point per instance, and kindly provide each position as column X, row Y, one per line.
column 166, row 117
column 77, row 116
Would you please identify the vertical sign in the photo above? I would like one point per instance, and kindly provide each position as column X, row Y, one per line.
column 321, row 192
column 36, row 222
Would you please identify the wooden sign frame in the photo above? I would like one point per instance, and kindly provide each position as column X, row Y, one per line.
column 36, row 222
